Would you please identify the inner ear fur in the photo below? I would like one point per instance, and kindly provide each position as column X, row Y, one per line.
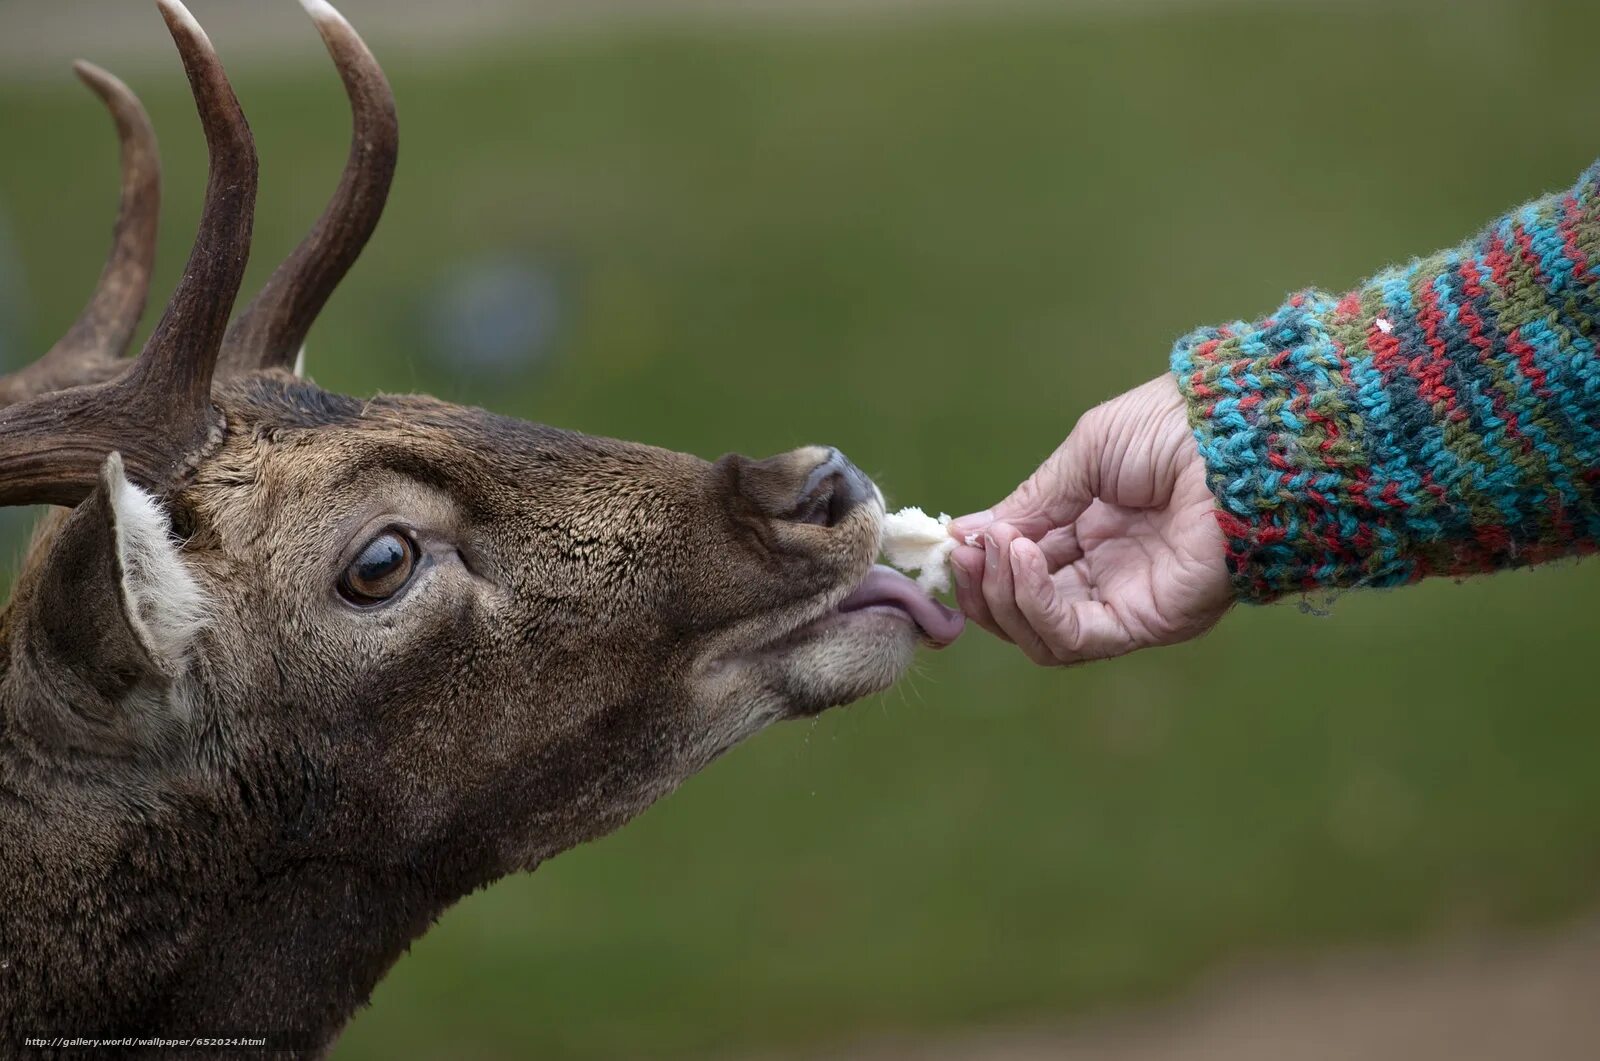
column 111, row 613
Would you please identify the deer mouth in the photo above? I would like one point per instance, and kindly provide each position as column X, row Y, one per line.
column 886, row 591
column 850, row 648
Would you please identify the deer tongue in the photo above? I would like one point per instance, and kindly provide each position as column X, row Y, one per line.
column 888, row 587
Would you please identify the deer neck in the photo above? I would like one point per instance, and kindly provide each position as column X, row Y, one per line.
column 333, row 930
column 184, row 918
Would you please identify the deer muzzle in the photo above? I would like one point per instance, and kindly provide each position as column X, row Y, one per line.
column 813, row 484
column 818, row 485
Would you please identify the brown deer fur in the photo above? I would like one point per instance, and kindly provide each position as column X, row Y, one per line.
column 229, row 798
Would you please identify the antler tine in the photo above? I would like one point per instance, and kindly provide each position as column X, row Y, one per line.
column 272, row 329
column 108, row 322
column 88, row 352
column 158, row 413
column 182, row 352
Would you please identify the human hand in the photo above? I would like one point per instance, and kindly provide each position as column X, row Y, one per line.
column 1111, row 546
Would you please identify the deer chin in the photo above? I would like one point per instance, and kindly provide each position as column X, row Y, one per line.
column 860, row 644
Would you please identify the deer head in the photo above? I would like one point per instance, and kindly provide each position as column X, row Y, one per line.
column 295, row 671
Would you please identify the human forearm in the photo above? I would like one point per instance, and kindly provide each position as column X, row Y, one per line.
column 1443, row 418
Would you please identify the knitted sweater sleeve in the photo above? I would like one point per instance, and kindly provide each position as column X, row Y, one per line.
column 1442, row 418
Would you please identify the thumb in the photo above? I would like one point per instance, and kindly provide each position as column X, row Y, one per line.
column 1053, row 496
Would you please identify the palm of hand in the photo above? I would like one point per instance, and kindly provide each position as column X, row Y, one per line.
column 1111, row 546
column 1158, row 566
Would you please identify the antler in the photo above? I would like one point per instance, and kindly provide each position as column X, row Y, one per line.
column 158, row 412
column 92, row 347
column 272, row 329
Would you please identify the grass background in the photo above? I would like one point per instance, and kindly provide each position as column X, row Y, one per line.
column 933, row 242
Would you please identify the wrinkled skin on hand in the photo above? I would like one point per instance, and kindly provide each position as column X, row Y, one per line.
column 1112, row 545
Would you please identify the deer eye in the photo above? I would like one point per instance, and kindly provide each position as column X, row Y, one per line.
column 382, row 569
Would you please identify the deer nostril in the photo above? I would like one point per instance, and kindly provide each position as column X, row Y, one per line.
column 814, row 485
column 823, row 507
column 832, row 491
column 841, row 501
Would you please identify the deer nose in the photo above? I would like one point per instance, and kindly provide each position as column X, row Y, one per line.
column 814, row 484
column 832, row 491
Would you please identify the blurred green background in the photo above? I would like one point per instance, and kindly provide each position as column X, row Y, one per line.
column 934, row 240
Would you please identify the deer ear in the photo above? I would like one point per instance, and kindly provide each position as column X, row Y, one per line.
column 159, row 598
column 115, row 602
column 112, row 615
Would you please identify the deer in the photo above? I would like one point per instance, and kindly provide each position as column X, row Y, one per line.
column 285, row 674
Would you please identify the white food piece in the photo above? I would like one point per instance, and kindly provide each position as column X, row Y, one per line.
column 915, row 541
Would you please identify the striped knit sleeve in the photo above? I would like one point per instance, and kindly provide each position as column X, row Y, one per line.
column 1441, row 419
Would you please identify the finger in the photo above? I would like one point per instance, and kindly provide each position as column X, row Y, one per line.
column 966, row 529
column 1072, row 630
column 966, row 564
column 1055, row 494
column 983, row 616
column 999, row 592
column 1061, row 547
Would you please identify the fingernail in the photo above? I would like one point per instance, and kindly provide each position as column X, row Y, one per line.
column 960, row 574
column 964, row 527
column 991, row 553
